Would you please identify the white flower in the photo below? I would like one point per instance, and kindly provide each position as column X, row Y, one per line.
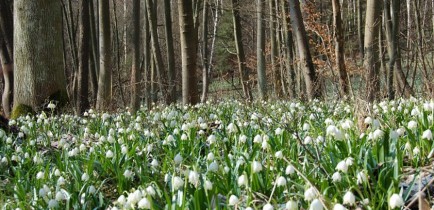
column 307, row 140
column 128, row 174
column 336, row 177
column 268, row 207
column 214, row 167
column 150, row 190
column 416, row 150
column 394, row 135
column 281, row 181
column 109, row 154
column 257, row 139
column 144, row 204
column 306, row 126
column 316, row 205
column 155, row 163
column 178, row 159
column 349, row 161
column 210, row 156
column 40, row 175
column 310, row 194
column 396, row 201
column 412, row 125
column 193, row 178
column 349, row 198
column 256, row 166
column 278, row 155
column 91, row 189
column 60, row 196
column 242, row 180
column 378, row 134
column 177, row 182
column 427, row 135
column 233, row 200
column 361, row 177
column 265, row 145
column 84, row 177
column 207, row 185
column 124, row 149
column 243, row 138
column 278, row 131
column 51, row 105
column 289, row 170
column 342, row 166
column 291, row 205
column 368, row 120
column 52, row 204
column 339, row 207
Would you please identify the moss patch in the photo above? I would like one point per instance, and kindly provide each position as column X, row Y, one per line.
column 20, row 110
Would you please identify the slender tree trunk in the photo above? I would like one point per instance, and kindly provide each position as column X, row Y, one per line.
column 171, row 93
column 38, row 56
column 93, row 69
column 339, row 48
column 243, row 71
column 288, row 47
column 82, row 102
column 277, row 85
column 155, row 46
column 371, row 58
column 205, row 64
column 136, row 75
column 147, row 57
column 306, row 64
column 360, row 27
column 189, row 42
column 260, row 50
column 104, row 97
column 6, row 55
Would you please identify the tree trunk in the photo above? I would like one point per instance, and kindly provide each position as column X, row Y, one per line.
column 243, row 71
column 82, row 102
column 171, row 93
column 6, row 55
column 306, row 64
column 38, row 59
column 136, row 75
column 288, row 49
column 360, row 27
column 260, row 50
column 189, row 42
column 339, row 48
column 93, row 69
column 147, row 57
column 104, row 97
column 277, row 85
column 205, row 64
column 371, row 58
column 155, row 46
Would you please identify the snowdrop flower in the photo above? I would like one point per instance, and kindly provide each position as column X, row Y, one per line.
column 231, row 128
column 427, row 135
column 210, row 156
column 144, row 204
column 268, row 207
column 278, row 131
column 184, row 137
column 265, row 145
column 84, row 177
column 307, row 140
column 177, row 182
column 342, row 166
column 289, row 170
column 361, row 177
column 51, row 105
column 416, row 151
column 57, row 172
column 281, row 181
column 339, row 207
column 368, row 120
column 62, row 195
column 91, row 189
column 242, row 180
column 278, row 155
column 394, row 134
column 256, row 166
column 208, row 185
column 407, row 146
column 233, row 200
column 310, row 194
column 336, row 177
column 349, row 198
column 243, row 139
column 151, row 191
column 349, row 161
column 396, row 201
column 412, row 125
column 128, row 174
column 178, row 159
column 52, row 204
column 109, row 154
column 193, row 178
column 155, row 163
column 124, row 149
column 214, row 167
column 291, row 205
column 377, row 134
column 40, row 175
column 306, row 127
column 122, row 200
column 257, row 139
column 316, row 205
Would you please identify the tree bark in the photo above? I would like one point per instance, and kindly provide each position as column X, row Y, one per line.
column 260, row 50
column 205, row 64
column 171, row 93
column 306, row 64
column 6, row 55
column 371, row 58
column 136, row 75
column 243, row 71
column 189, row 42
column 339, row 48
column 104, row 97
column 360, row 27
column 277, row 85
column 288, row 49
column 38, row 59
column 82, row 102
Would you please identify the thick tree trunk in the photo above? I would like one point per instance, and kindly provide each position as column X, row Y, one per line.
column 38, row 59
column 371, row 58
column 171, row 93
column 339, row 48
column 82, row 102
column 243, row 71
column 189, row 42
column 306, row 64
column 136, row 75
column 260, row 50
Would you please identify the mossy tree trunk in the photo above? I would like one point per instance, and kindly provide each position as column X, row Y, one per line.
column 38, row 54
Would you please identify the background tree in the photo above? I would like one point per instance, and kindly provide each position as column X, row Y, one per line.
column 6, row 55
column 260, row 50
column 104, row 96
column 339, row 47
column 136, row 74
column 189, row 41
column 39, row 74
column 82, row 102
